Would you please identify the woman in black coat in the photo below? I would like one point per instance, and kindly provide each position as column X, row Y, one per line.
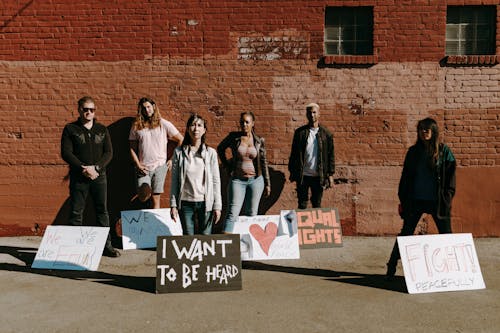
column 427, row 185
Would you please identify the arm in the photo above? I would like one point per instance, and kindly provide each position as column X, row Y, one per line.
column 331, row 159
column 217, row 188
column 177, row 138
column 174, row 186
column 292, row 163
column 134, row 151
column 107, row 151
column 265, row 168
column 221, row 151
column 450, row 165
column 67, row 153
column 403, row 187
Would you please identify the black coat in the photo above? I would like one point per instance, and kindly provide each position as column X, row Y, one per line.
column 81, row 146
column 445, row 178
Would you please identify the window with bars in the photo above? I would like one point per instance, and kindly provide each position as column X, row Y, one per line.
column 349, row 31
column 470, row 30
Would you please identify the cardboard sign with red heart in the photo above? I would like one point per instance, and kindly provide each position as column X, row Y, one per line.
column 266, row 237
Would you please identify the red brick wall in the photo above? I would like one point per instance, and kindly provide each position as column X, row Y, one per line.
column 222, row 58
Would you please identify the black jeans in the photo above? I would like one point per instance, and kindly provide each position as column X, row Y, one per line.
column 314, row 184
column 410, row 222
column 79, row 190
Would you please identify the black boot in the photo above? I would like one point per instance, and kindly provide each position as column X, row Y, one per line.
column 391, row 270
column 110, row 251
column 393, row 262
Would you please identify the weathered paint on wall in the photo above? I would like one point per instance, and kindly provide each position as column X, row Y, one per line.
column 222, row 58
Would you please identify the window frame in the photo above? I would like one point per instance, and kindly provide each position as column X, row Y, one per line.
column 356, row 12
column 463, row 28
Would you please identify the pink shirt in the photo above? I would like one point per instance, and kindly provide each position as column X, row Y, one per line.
column 244, row 167
column 152, row 143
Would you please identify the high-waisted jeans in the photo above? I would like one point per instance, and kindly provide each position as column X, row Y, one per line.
column 243, row 193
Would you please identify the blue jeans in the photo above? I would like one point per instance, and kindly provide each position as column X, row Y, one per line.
column 246, row 194
column 193, row 216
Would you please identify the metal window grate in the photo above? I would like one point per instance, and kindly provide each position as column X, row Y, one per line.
column 348, row 31
column 470, row 30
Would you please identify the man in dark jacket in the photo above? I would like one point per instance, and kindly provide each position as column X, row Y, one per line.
column 86, row 147
column 312, row 161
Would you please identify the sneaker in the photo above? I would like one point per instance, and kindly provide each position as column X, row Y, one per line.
column 111, row 252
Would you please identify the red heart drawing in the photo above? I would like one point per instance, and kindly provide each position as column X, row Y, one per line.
column 265, row 238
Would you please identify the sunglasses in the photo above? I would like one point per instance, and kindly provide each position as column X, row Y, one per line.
column 92, row 110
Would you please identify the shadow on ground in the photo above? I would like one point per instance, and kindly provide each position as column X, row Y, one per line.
column 366, row 280
column 27, row 255
column 148, row 284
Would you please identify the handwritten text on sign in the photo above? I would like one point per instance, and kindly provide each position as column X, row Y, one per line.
column 434, row 263
column 319, row 227
column 198, row 263
column 267, row 237
column 71, row 248
column 141, row 227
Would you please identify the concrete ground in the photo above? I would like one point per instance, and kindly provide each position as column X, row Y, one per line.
column 327, row 290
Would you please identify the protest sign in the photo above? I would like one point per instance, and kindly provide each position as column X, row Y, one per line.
column 198, row 263
column 71, row 248
column 434, row 263
column 140, row 228
column 267, row 237
column 317, row 227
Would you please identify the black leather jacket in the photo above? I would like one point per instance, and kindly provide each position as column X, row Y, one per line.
column 233, row 141
column 326, row 161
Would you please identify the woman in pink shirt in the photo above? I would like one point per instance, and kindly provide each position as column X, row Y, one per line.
column 148, row 139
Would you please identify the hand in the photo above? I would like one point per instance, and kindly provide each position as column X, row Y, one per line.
column 400, row 210
column 267, row 191
column 330, row 181
column 90, row 172
column 216, row 217
column 174, row 214
column 141, row 168
column 169, row 164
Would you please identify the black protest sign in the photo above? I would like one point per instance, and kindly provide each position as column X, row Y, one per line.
column 198, row 263
column 319, row 228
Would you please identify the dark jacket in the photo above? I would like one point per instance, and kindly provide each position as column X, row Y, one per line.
column 326, row 160
column 81, row 146
column 233, row 141
column 445, row 178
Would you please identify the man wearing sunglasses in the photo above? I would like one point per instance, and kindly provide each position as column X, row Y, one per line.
column 86, row 147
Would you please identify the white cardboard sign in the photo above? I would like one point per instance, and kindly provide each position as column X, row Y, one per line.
column 140, row 228
column 71, row 248
column 266, row 237
column 436, row 263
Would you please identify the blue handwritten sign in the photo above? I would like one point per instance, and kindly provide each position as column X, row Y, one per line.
column 140, row 228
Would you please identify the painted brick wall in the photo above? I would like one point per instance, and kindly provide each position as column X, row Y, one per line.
column 220, row 58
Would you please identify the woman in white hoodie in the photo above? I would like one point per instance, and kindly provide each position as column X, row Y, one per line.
column 195, row 196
